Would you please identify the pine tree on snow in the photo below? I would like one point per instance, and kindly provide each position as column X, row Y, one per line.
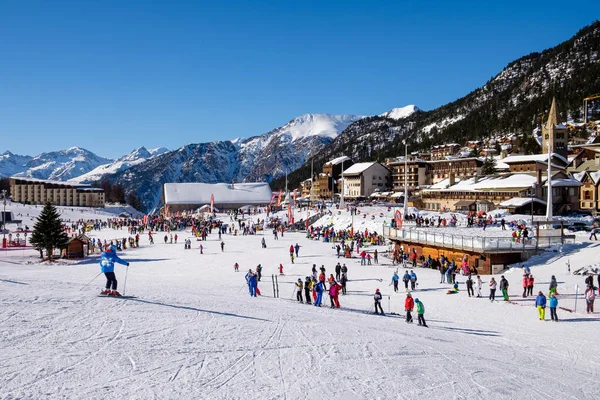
column 47, row 231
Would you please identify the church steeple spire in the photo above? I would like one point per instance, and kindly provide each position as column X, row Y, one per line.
column 552, row 115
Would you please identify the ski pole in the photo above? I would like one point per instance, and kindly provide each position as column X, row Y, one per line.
column 125, row 283
column 87, row 284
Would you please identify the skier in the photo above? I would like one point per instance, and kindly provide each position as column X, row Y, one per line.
column 107, row 266
column 299, row 287
column 322, row 280
column 470, row 286
column 291, row 251
column 222, row 247
column 413, row 280
column 297, row 248
column 258, row 272
column 504, row 287
column 420, row 313
column 264, row 243
column 530, row 281
column 166, row 239
column 338, row 270
column 334, row 291
column 236, row 267
column 493, row 285
column 395, row 279
column 377, row 297
column 553, row 285
column 251, row 281
column 176, row 238
column 406, row 279
column 319, row 289
column 409, row 305
column 292, row 257
column 307, row 289
column 314, row 271
column 553, row 306
column 343, row 281
column 201, row 249
column 589, row 299
column 344, row 269
column 540, row 303
column 479, row 283
column 280, row 269
column 376, row 257
column 338, row 248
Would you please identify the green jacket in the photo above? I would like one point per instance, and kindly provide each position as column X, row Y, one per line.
column 420, row 308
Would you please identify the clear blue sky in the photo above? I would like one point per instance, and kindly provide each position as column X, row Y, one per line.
column 114, row 75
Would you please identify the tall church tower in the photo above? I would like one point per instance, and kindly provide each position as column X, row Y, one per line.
column 557, row 135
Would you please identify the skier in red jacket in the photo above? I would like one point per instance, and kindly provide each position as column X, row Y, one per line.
column 409, row 305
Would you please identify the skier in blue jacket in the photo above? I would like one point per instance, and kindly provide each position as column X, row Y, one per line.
column 395, row 280
column 553, row 306
column 252, row 283
column 319, row 289
column 107, row 266
column 540, row 303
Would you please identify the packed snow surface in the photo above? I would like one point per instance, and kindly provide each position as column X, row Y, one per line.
column 194, row 332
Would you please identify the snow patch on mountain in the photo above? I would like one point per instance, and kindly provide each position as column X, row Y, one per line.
column 401, row 113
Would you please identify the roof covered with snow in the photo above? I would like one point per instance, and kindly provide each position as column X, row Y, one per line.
column 338, row 160
column 520, row 201
column 359, row 168
column 225, row 193
column 532, row 157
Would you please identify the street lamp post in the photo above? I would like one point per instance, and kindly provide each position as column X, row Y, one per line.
column 405, row 210
column 532, row 197
column 4, row 219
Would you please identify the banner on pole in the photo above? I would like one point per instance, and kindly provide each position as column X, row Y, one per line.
column 272, row 198
column 398, row 218
column 279, row 198
column 212, row 203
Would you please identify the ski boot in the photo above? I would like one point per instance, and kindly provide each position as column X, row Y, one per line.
column 105, row 292
column 115, row 293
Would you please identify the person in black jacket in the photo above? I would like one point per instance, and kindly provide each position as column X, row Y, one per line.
column 338, row 270
column 377, row 297
column 307, row 289
column 343, row 282
column 470, row 291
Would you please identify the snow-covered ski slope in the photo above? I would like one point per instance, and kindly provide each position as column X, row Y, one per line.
column 195, row 333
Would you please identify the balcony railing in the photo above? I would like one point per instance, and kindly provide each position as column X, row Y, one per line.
column 484, row 244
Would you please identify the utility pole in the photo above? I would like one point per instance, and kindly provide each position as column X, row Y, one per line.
column 405, row 210
column 4, row 219
column 343, row 184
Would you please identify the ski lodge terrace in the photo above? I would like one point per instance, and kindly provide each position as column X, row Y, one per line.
column 485, row 254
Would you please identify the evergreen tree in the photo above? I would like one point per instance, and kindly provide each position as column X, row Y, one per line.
column 488, row 167
column 47, row 231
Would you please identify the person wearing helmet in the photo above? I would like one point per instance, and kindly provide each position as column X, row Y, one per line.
column 420, row 313
column 299, row 287
column 107, row 266
column 307, row 289
column 377, row 297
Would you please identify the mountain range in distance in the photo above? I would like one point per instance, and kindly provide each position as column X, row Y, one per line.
column 259, row 158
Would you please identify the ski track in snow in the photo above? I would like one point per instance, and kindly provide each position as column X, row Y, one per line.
column 193, row 333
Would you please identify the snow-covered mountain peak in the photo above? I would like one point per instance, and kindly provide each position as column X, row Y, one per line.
column 324, row 125
column 158, row 151
column 401, row 112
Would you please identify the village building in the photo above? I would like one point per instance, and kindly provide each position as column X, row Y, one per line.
column 39, row 191
column 442, row 151
column 227, row 196
column 555, row 135
column 362, row 179
column 332, row 171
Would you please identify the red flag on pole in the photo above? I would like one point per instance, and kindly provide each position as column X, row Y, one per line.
column 272, row 198
column 212, row 203
column 279, row 199
column 290, row 214
column 166, row 210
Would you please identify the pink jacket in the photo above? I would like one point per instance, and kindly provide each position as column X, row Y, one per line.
column 334, row 289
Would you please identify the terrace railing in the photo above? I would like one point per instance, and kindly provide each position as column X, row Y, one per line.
column 484, row 244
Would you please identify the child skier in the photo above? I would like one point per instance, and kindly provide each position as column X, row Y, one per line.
column 107, row 266
column 307, row 289
column 395, row 279
column 280, row 269
column 299, row 287
column 222, row 247
column 540, row 303
column 409, row 305
column 319, row 289
column 236, row 267
column 553, row 306
column 420, row 313
column 377, row 297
